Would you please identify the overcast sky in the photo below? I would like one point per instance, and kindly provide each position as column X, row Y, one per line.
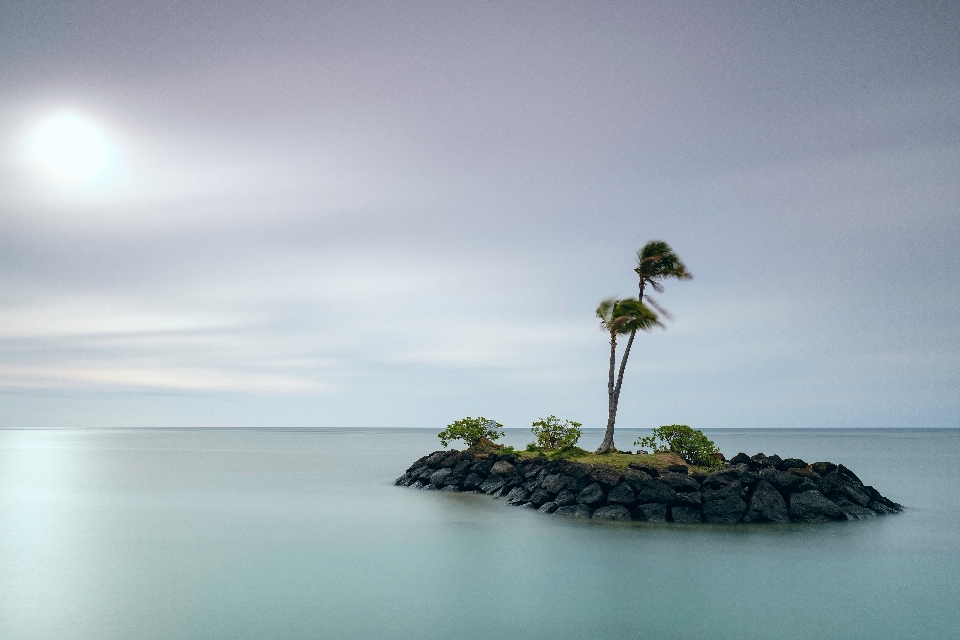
column 398, row 214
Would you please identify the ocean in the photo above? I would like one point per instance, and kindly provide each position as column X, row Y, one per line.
column 301, row 534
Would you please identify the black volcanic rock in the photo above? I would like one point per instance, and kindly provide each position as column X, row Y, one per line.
column 791, row 463
column 651, row 512
column 757, row 489
column 728, row 510
column 621, row 494
column 612, row 512
column 767, row 505
column 686, row 515
column 813, row 506
column 576, row 511
column 591, row 495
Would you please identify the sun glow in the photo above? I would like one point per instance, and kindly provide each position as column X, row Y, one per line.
column 69, row 148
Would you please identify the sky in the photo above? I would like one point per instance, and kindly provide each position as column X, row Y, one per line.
column 381, row 214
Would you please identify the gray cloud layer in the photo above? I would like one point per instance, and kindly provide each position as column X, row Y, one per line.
column 396, row 214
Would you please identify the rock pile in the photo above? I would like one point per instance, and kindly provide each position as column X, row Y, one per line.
column 749, row 489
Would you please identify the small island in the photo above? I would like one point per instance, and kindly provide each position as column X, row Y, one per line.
column 657, row 487
column 683, row 478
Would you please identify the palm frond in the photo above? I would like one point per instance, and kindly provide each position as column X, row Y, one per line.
column 656, row 305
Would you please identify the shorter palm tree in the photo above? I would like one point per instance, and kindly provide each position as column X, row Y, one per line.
column 621, row 317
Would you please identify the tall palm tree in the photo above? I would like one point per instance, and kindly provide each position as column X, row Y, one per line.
column 621, row 317
column 657, row 262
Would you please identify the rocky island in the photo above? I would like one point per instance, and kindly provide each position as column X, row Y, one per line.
column 657, row 488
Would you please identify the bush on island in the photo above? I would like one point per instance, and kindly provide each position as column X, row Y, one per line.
column 553, row 434
column 690, row 444
column 474, row 431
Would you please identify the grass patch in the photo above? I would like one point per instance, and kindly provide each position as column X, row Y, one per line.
column 617, row 460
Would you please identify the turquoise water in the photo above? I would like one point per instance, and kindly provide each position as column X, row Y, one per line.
column 300, row 534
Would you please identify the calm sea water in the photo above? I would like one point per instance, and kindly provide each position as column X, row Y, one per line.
column 266, row 534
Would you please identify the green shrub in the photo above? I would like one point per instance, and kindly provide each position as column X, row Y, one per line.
column 473, row 431
column 690, row 444
column 553, row 434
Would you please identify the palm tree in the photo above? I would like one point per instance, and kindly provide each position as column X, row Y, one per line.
column 621, row 317
column 655, row 263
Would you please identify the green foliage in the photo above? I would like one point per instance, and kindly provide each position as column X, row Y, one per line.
column 690, row 444
column 473, row 431
column 553, row 434
column 626, row 316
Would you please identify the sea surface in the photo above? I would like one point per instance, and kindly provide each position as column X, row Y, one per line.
column 301, row 534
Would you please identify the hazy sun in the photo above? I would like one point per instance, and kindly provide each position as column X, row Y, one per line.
column 69, row 147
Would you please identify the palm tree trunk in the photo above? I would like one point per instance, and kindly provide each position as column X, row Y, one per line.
column 616, row 389
column 607, row 443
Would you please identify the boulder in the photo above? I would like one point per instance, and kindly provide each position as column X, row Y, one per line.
column 808, row 481
column 680, row 482
column 621, row 494
column 578, row 484
column 635, row 475
column 791, row 463
column 767, row 505
column 612, row 512
column 493, row 483
column 688, row 499
column 781, row 480
column 887, row 503
column 728, row 510
column 548, row 507
column 740, row 458
column 605, row 475
column 880, row 508
column 760, row 461
column 435, row 458
column 823, row 468
column 532, row 483
column 591, row 495
column 517, row 496
column 463, row 466
column 533, row 470
column 652, row 490
column 854, row 511
column 651, row 512
column 722, row 492
column 682, row 469
column 849, row 476
column 416, row 485
column 426, row 473
column 686, row 514
column 577, row 469
column 455, row 479
column 439, row 477
column 774, row 460
column 482, row 467
column 555, row 483
column 565, row 498
column 451, row 460
column 430, row 487
column 501, row 468
column 740, row 474
column 576, row 511
column 539, row 497
column 650, row 471
column 836, row 485
column 450, row 487
column 472, row 481
column 813, row 506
